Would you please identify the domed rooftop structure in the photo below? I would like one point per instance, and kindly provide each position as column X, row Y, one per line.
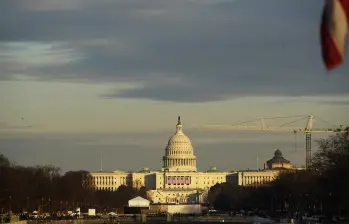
column 179, row 152
column 278, row 161
column 213, row 169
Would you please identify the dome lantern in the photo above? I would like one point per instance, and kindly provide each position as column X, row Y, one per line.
column 278, row 153
column 179, row 126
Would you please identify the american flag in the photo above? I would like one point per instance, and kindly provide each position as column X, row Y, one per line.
column 187, row 180
column 334, row 31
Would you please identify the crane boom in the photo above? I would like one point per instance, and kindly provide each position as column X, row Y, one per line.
column 308, row 129
column 270, row 128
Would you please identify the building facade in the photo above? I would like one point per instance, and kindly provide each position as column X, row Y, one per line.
column 179, row 181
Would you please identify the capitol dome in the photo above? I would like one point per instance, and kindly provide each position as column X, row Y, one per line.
column 179, row 152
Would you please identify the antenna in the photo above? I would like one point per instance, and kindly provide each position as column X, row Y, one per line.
column 101, row 164
column 263, row 124
column 257, row 163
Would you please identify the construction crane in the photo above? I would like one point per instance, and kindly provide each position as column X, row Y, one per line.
column 308, row 130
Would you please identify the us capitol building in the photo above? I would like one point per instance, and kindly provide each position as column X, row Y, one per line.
column 179, row 181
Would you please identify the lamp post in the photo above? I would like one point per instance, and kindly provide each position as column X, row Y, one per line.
column 9, row 205
column 27, row 204
column 49, row 205
column 42, row 205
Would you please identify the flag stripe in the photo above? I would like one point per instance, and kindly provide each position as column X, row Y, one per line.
column 345, row 6
column 334, row 30
column 338, row 25
column 330, row 53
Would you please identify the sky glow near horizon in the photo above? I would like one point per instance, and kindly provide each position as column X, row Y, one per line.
column 109, row 78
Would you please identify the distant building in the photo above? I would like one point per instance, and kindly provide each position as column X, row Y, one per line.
column 252, row 177
column 278, row 162
column 271, row 171
column 179, row 182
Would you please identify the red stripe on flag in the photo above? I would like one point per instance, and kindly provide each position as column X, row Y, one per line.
column 345, row 5
column 331, row 52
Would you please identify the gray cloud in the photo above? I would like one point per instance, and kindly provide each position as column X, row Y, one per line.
column 334, row 102
column 340, row 100
column 83, row 151
column 7, row 127
column 187, row 51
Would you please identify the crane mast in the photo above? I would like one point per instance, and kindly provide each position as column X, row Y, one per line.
column 308, row 141
column 308, row 130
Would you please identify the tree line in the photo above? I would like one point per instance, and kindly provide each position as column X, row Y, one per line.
column 322, row 189
column 43, row 188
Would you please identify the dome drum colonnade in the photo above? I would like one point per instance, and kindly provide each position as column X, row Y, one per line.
column 179, row 153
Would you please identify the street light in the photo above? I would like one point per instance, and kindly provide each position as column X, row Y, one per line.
column 27, row 204
column 9, row 205
column 49, row 205
column 42, row 205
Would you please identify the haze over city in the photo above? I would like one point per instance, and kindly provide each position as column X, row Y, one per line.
column 81, row 80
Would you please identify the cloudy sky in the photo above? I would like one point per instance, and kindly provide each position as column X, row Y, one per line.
column 108, row 79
